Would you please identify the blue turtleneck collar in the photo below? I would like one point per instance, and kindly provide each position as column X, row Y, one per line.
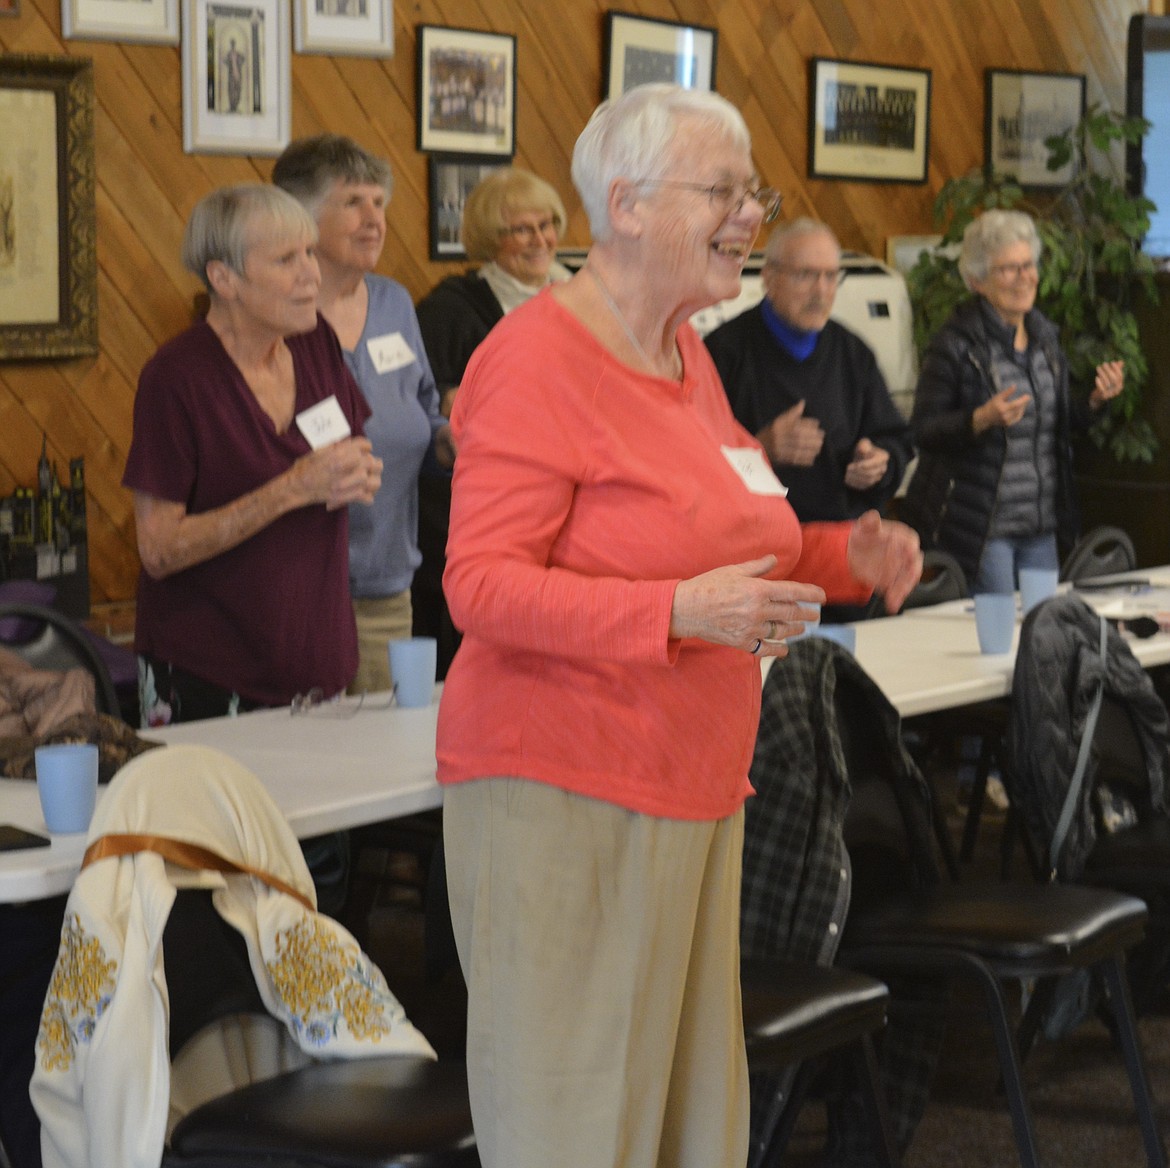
column 798, row 343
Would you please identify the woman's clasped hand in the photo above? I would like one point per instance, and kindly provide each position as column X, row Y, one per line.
column 337, row 475
column 737, row 606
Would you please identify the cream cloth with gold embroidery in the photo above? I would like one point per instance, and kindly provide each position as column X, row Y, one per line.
column 102, row 1082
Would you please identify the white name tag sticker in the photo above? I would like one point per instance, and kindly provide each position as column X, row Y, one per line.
column 323, row 424
column 389, row 352
column 754, row 469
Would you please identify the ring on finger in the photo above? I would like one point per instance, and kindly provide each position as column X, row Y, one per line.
column 757, row 646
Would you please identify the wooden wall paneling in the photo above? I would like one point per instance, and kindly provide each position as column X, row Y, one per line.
column 107, row 395
column 139, row 242
column 1091, row 46
column 44, row 404
column 147, row 184
column 840, row 29
column 21, row 431
column 159, row 72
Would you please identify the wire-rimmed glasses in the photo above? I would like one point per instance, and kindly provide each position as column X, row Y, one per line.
column 727, row 198
column 528, row 232
column 1009, row 273
column 807, row 277
column 315, row 702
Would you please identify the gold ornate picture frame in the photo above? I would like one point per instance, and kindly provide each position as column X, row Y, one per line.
column 48, row 218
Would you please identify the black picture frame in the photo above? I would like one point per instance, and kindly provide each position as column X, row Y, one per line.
column 465, row 91
column 48, row 310
column 641, row 49
column 452, row 178
column 868, row 122
column 1020, row 110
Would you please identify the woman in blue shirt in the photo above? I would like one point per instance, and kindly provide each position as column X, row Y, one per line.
column 347, row 189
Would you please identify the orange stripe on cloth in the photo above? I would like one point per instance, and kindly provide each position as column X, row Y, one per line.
column 186, row 856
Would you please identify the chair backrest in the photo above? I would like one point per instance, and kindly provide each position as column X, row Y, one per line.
column 1100, row 552
column 826, row 731
column 888, row 829
column 47, row 639
column 942, row 579
column 206, row 965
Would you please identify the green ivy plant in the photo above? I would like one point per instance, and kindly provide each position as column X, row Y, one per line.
column 1090, row 268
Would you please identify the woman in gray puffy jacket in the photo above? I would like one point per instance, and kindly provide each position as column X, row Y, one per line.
column 993, row 417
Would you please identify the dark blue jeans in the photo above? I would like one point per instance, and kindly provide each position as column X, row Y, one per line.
column 1002, row 560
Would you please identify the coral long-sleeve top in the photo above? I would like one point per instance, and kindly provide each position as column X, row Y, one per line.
column 584, row 491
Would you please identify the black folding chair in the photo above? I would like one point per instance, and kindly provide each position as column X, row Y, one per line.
column 48, row 639
column 997, row 933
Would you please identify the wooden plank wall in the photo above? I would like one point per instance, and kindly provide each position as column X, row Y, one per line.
column 147, row 185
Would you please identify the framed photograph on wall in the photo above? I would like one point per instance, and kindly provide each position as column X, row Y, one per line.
column 344, row 28
column 452, row 179
column 902, row 251
column 639, row 50
column 48, row 218
column 466, row 91
column 236, row 77
column 868, row 122
column 1020, row 111
column 152, row 21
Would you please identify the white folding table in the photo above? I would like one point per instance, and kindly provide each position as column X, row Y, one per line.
column 325, row 771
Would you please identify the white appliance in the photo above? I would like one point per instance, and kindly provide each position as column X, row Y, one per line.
column 872, row 301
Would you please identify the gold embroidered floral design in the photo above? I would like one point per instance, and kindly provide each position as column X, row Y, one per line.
column 323, row 983
column 79, row 993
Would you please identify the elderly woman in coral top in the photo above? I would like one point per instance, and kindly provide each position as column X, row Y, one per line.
column 621, row 555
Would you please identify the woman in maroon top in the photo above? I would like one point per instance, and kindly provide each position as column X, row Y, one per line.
column 239, row 498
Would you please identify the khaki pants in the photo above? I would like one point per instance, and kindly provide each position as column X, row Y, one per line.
column 379, row 619
column 601, row 951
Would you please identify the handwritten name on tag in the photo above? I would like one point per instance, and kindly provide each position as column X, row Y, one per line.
column 389, row 352
column 754, row 469
column 323, row 424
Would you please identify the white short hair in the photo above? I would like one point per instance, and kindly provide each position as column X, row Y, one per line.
column 225, row 224
column 630, row 137
column 991, row 233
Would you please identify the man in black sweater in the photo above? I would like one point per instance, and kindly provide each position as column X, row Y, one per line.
column 810, row 389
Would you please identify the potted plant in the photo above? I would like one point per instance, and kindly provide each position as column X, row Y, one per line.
column 1091, row 269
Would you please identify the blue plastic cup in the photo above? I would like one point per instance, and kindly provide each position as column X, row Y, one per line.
column 995, row 621
column 412, row 670
column 811, row 626
column 67, row 782
column 844, row 635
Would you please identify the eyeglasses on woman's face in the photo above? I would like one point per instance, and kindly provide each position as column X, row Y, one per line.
column 1009, row 273
column 727, row 198
column 530, row 232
